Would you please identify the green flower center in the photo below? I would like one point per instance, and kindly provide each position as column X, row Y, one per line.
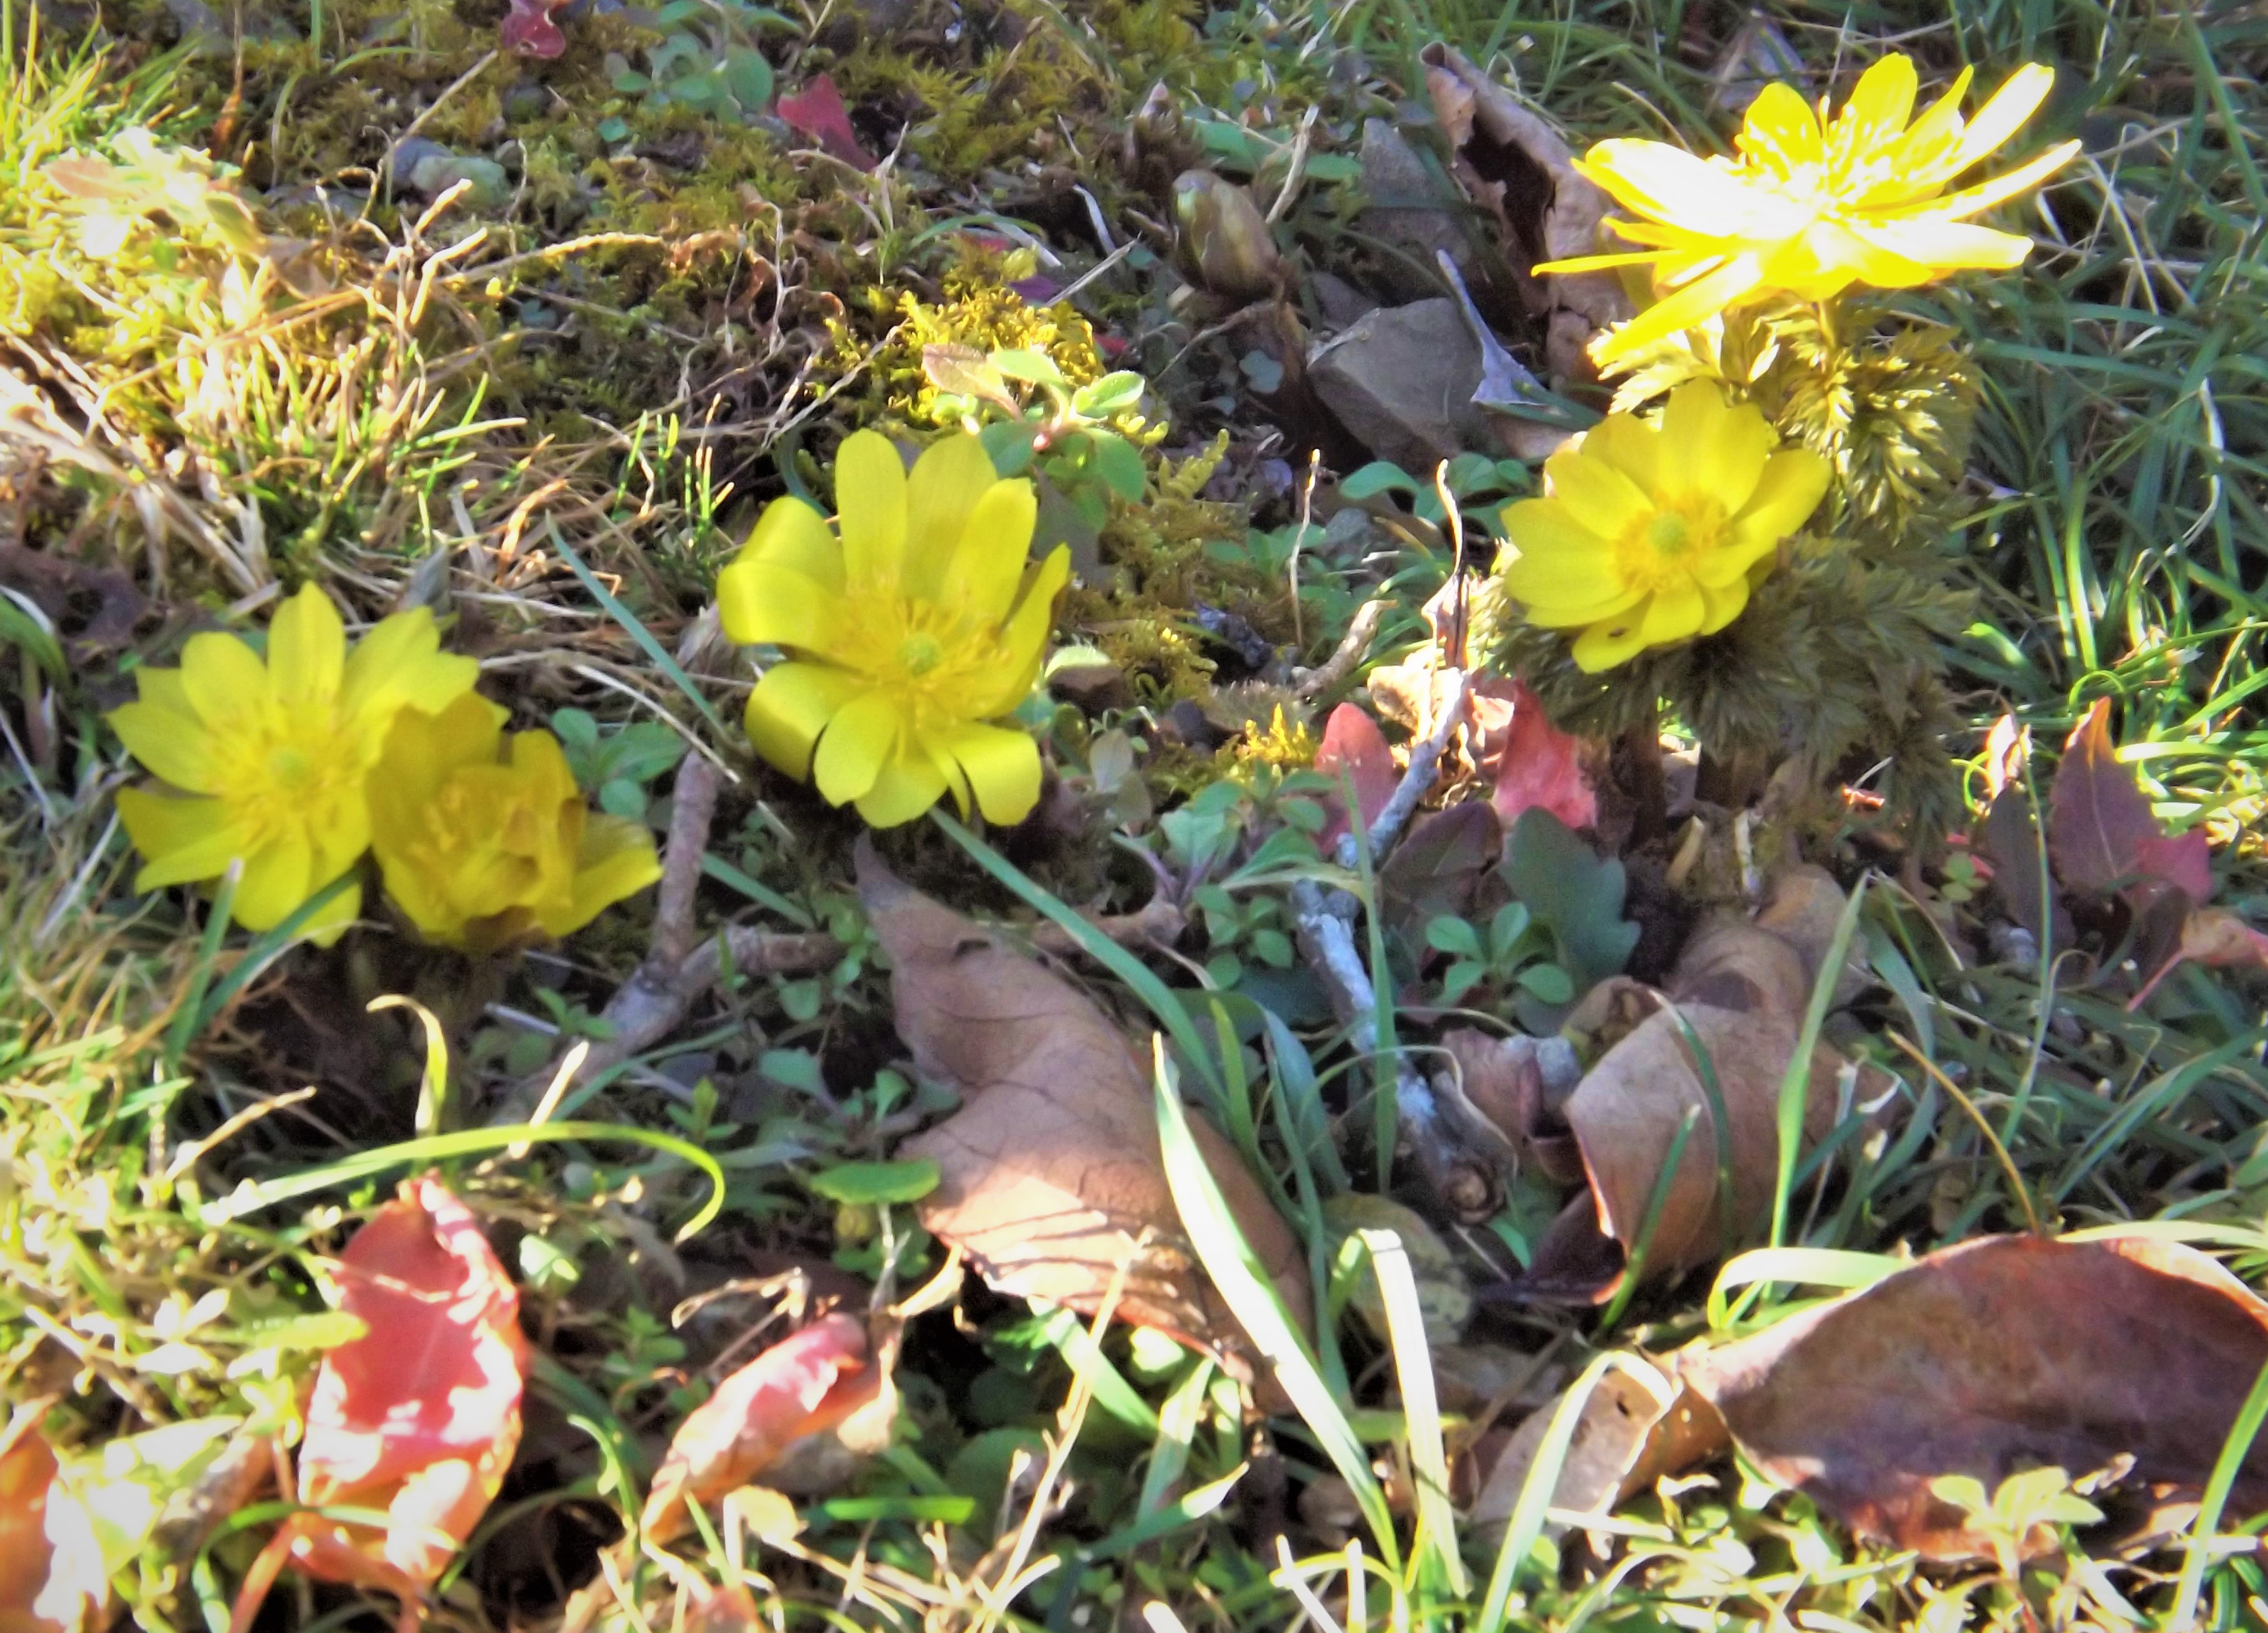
column 920, row 652
column 1664, row 548
column 1670, row 533
column 290, row 765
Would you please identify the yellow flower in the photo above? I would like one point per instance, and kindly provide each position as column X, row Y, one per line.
column 1814, row 205
column 1650, row 534
column 485, row 842
column 266, row 759
column 909, row 632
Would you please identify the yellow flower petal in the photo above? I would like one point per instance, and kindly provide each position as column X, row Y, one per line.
column 1985, row 194
column 170, row 743
column 2003, row 114
column 277, row 877
column 1603, row 645
column 951, row 476
column 870, row 507
column 1881, row 104
column 1704, row 298
column 1673, row 614
column 1794, row 482
column 995, row 542
column 222, row 678
column 1629, row 446
column 1711, row 448
column 399, row 665
column 1003, row 769
column 1024, row 638
column 617, row 860
column 185, row 839
column 1725, row 603
column 1930, row 142
column 864, row 734
column 791, row 706
column 1595, row 493
column 1938, row 245
column 907, row 786
column 306, row 647
column 1782, row 127
column 761, row 603
column 790, row 534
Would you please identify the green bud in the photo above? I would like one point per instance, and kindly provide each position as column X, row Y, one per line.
column 1223, row 243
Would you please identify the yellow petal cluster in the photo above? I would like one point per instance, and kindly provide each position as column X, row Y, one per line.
column 1652, row 533
column 484, row 839
column 909, row 629
column 1812, row 205
column 264, row 760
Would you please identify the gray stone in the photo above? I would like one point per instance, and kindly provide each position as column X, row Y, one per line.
column 1402, row 382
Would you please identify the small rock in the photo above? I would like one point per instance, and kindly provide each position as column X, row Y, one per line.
column 1402, row 382
column 201, row 30
column 428, row 168
column 1405, row 210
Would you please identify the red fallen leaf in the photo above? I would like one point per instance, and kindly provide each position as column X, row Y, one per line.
column 2100, row 824
column 418, row 1417
column 817, row 111
column 1536, row 763
column 51, row 1575
column 1352, row 743
column 1989, row 1357
column 799, row 1387
column 528, row 30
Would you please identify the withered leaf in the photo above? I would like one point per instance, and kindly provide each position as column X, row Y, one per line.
column 1052, row 1177
column 1353, row 745
column 1639, row 1423
column 417, row 1418
column 1438, row 868
column 1514, row 164
column 51, row 1575
column 1529, row 762
column 1737, row 997
column 1991, row 1357
column 801, row 1385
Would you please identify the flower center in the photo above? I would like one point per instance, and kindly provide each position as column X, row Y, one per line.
column 1664, row 548
column 287, row 770
column 920, row 652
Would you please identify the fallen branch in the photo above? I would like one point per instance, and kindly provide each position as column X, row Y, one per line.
column 1353, row 647
column 1157, row 923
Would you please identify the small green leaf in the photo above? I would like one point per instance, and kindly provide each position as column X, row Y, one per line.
column 1574, row 892
column 1333, row 167
column 1021, row 362
column 1549, row 982
column 1119, row 464
column 1262, row 370
column 576, row 728
column 1454, row 935
column 1379, row 476
column 1115, row 392
column 876, row 1183
column 748, row 78
column 1010, row 443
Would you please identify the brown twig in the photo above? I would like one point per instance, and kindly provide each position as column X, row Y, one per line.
column 1352, row 648
column 693, row 810
column 1157, row 923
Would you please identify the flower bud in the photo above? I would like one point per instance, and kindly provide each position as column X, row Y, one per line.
column 1225, row 244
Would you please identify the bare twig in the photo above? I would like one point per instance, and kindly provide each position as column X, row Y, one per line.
column 1157, row 923
column 1417, row 781
column 1361, row 631
column 693, row 809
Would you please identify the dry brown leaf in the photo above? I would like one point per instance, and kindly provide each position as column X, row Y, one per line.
column 1051, row 1176
column 1991, row 1357
column 51, row 1577
column 1637, row 1425
column 1514, row 164
column 1739, row 993
column 801, row 1387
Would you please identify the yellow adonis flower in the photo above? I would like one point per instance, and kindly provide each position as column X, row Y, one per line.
column 908, row 629
column 1650, row 534
column 263, row 761
column 485, row 841
column 1813, row 205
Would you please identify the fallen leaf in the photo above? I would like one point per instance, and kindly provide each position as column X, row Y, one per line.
column 2099, row 819
column 51, row 1575
column 1637, row 1425
column 2184, row 860
column 2213, row 936
column 1514, row 166
column 1354, row 744
column 1535, row 766
column 817, row 111
column 1438, row 867
column 1991, row 1357
column 1053, row 1177
column 1736, row 997
column 2010, row 840
column 801, row 1385
column 528, row 29
column 418, row 1417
